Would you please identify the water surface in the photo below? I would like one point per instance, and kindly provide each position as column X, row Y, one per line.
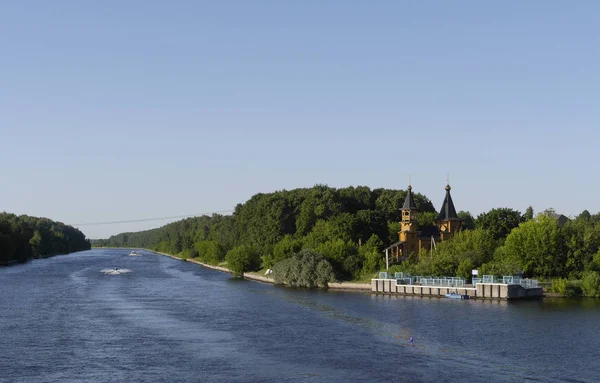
column 63, row 320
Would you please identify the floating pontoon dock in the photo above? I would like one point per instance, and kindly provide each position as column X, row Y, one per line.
column 488, row 287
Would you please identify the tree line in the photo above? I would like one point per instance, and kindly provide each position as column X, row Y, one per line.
column 349, row 227
column 25, row 237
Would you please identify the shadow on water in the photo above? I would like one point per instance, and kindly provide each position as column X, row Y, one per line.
column 560, row 304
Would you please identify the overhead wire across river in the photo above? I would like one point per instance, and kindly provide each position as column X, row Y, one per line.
column 152, row 219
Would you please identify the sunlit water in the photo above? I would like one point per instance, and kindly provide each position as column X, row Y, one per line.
column 65, row 320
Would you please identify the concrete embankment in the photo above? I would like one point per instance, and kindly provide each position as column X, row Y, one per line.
column 350, row 286
column 255, row 277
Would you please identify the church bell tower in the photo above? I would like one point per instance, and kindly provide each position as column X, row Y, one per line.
column 409, row 226
column 448, row 222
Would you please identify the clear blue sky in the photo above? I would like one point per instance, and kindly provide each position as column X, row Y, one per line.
column 119, row 110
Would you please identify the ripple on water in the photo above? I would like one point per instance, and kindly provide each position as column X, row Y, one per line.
column 63, row 320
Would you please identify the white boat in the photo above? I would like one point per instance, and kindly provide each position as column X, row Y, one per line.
column 133, row 254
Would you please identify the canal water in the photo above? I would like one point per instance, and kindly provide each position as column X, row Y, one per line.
column 63, row 320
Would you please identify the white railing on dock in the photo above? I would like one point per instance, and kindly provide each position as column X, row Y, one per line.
column 444, row 281
column 408, row 279
column 507, row 279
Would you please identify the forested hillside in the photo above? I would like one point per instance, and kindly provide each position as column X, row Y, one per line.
column 24, row 237
column 276, row 225
column 349, row 227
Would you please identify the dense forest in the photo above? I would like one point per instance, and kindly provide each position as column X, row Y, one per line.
column 24, row 237
column 349, row 227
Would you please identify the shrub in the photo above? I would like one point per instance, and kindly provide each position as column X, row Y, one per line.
column 565, row 287
column 465, row 268
column 594, row 264
column 242, row 258
column 590, row 285
column 210, row 252
column 353, row 265
column 267, row 261
column 186, row 253
column 396, row 269
column 306, row 268
column 372, row 263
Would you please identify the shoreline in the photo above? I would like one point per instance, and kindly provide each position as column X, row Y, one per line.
column 343, row 286
column 340, row 286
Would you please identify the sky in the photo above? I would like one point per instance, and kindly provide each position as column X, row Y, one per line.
column 124, row 110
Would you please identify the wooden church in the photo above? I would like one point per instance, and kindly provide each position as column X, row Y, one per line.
column 414, row 239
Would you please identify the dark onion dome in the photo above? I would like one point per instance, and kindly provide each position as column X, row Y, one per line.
column 448, row 212
column 409, row 202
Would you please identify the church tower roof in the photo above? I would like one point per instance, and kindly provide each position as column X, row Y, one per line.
column 448, row 212
column 409, row 202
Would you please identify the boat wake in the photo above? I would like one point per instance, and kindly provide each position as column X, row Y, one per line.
column 115, row 271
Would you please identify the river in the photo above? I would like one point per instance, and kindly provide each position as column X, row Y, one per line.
column 63, row 320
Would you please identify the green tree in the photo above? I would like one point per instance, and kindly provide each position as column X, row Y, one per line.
column 358, row 198
column 7, row 248
column 594, row 264
column 241, row 259
column 35, row 242
column 468, row 222
column 427, row 218
column 437, row 264
column 352, row 265
column 584, row 216
column 222, row 229
column 393, row 229
column 537, row 247
column 465, row 268
column 499, row 222
column 477, row 245
column 341, row 226
column 389, row 202
column 528, row 214
column 371, row 251
column 336, row 251
column 307, row 217
column 500, row 265
column 367, row 223
column 319, row 234
column 582, row 240
column 23, row 237
column 285, row 248
column 210, row 252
